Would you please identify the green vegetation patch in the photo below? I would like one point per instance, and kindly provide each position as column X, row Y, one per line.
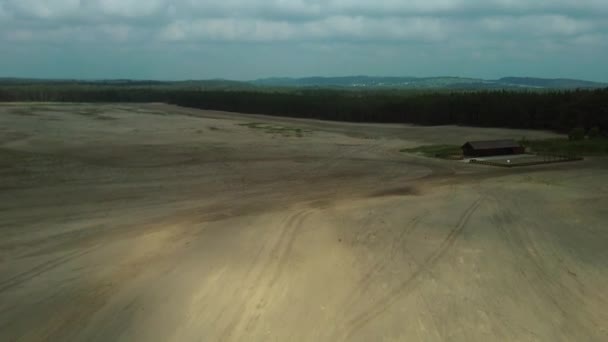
column 147, row 111
column 22, row 111
column 437, row 151
column 278, row 130
column 34, row 110
column 90, row 111
column 585, row 147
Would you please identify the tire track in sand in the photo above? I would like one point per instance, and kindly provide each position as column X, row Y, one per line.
column 40, row 269
column 384, row 303
column 368, row 277
column 536, row 270
column 270, row 267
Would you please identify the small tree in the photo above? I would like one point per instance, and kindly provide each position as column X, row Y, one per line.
column 577, row 133
column 525, row 143
column 594, row 132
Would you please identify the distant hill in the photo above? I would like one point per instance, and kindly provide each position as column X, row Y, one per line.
column 427, row 82
column 216, row 84
column 347, row 82
column 364, row 82
column 558, row 83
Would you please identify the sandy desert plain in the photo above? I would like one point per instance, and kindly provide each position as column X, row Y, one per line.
column 149, row 222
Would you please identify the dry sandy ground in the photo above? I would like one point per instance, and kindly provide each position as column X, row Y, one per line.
column 157, row 223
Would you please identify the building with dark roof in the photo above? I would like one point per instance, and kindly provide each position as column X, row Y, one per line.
column 492, row 148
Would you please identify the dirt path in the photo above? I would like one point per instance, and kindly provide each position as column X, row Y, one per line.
column 156, row 223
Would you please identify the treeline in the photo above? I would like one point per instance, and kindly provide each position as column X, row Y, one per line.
column 559, row 111
column 82, row 93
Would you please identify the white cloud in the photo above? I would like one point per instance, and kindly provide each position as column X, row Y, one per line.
column 119, row 33
column 128, row 8
column 483, row 7
column 300, row 9
column 470, row 22
column 93, row 9
column 49, row 9
column 3, row 12
column 229, row 30
column 338, row 27
column 595, row 40
column 544, row 25
column 328, row 8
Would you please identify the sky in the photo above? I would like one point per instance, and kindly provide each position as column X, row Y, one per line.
column 249, row 39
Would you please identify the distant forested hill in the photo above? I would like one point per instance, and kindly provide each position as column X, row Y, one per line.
column 559, row 110
column 217, row 84
column 346, row 83
column 559, row 83
column 428, row 83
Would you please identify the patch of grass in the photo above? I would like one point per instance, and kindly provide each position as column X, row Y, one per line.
column 437, row 151
column 43, row 108
column 33, row 110
column 89, row 112
column 252, row 124
column 277, row 129
column 15, row 160
column 543, row 181
column 359, row 135
column 586, row 147
column 105, row 118
column 22, row 111
column 146, row 111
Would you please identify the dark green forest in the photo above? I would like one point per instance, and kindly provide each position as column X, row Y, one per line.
column 553, row 110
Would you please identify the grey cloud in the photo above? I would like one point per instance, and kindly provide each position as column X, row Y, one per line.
column 57, row 9
column 302, row 20
column 304, row 9
column 540, row 25
column 424, row 28
column 273, row 9
column 478, row 29
column 338, row 27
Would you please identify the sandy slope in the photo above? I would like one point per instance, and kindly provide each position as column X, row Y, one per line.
column 156, row 223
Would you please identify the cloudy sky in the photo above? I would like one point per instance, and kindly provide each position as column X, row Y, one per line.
column 247, row 39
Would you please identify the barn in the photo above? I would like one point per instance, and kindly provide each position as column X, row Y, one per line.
column 492, row 148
